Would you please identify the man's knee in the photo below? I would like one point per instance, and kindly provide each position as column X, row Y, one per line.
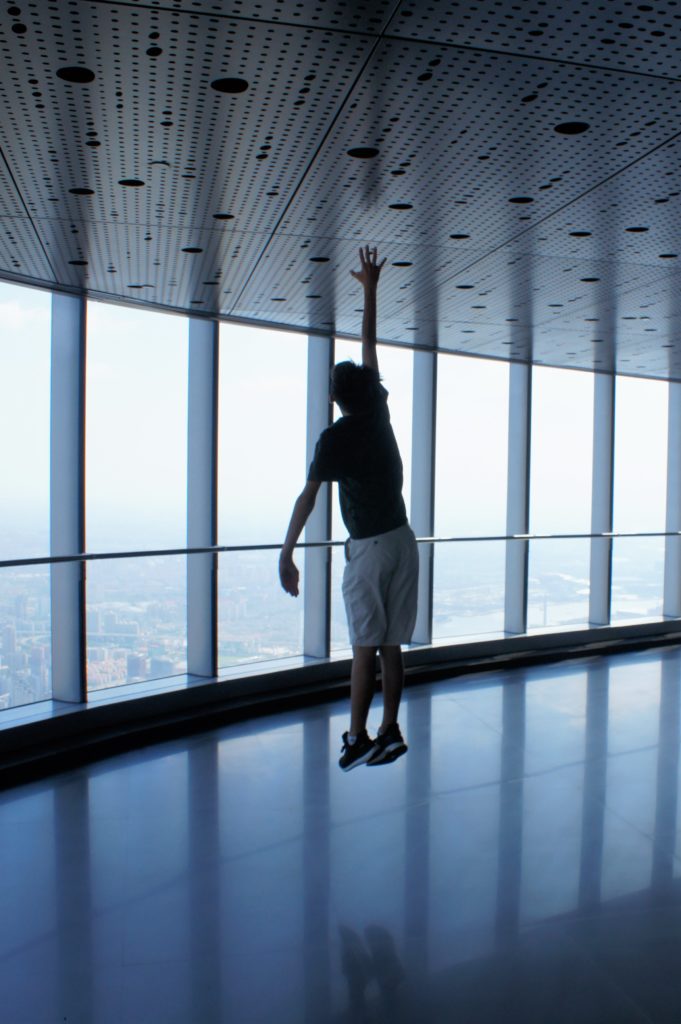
column 364, row 654
column 390, row 651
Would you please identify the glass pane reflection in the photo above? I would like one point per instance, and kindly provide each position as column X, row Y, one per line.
column 257, row 620
column 637, row 578
column 25, row 636
column 24, row 421
column 468, row 588
column 136, row 620
column 558, row 583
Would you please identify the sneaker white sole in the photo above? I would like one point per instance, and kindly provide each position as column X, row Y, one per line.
column 390, row 754
column 359, row 761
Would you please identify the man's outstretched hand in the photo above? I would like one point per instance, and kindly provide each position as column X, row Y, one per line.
column 370, row 270
column 288, row 575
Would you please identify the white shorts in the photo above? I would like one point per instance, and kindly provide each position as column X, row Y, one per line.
column 380, row 587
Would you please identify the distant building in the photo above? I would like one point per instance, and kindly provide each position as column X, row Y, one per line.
column 137, row 666
column 159, row 667
column 9, row 640
column 94, row 621
column 110, row 622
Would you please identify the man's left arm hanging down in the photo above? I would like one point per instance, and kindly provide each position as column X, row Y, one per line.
column 288, row 571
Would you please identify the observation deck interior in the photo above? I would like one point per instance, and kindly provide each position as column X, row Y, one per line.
column 178, row 844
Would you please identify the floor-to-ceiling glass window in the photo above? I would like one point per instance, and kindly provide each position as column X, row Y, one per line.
column 560, row 496
column 136, row 493
column 470, row 495
column 639, row 497
column 136, row 452
column 262, row 469
column 25, row 620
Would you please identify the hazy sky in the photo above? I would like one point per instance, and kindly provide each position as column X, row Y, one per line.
column 136, row 433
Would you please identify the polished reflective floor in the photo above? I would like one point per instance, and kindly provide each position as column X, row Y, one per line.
column 521, row 863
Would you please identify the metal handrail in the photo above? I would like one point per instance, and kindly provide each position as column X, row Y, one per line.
column 230, row 548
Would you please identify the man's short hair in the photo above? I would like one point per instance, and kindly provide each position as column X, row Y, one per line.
column 353, row 386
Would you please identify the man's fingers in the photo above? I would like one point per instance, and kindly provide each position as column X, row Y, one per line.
column 288, row 577
column 368, row 257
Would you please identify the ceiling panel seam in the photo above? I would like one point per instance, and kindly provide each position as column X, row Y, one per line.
column 351, row 88
column 278, row 23
column 28, row 215
column 528, row 57
column 384, row 34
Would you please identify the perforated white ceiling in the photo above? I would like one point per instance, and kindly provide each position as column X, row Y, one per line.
column 518, row 164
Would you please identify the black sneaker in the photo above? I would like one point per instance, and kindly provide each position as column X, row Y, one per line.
column 389, row 746
column 359, row 752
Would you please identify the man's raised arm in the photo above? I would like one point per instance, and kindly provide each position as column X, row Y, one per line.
column 367, row 276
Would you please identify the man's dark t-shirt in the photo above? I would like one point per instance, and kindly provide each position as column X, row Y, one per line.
column 361, row 453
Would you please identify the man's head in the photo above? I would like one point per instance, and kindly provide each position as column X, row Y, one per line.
column 353, row 386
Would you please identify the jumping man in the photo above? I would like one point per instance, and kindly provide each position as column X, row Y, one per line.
column 381, row 573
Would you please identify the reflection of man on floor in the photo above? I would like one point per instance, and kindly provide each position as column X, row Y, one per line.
column 375, row 960
column 381, row 573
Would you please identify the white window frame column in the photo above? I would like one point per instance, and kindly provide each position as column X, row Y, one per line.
column 672, row 549
column 602, row 499
column 202, row 469
column 422, row 512
column 518, row 496
column 317, row 562
column 67, row 496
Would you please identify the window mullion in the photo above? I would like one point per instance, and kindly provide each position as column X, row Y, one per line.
column 67, row 496
column 672, row 550
column 518, row 496
column 423, row 484
column 602, row 498
column 202, row 497
column 317, row 563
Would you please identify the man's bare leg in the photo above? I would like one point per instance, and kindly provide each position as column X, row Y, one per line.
column 362, row 686
column 392, row 671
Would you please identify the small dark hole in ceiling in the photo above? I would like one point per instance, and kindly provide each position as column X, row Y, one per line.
column 232, row 86
column 78, row 75
column 572, row 128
